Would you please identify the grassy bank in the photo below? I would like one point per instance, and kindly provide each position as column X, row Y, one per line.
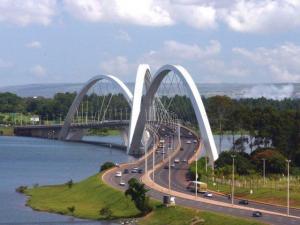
column 86, row 198
column 104, row 132
column 6, row 131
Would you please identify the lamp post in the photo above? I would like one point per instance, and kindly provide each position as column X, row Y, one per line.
column 288, row 186
column 264, row 170
column 232, row 185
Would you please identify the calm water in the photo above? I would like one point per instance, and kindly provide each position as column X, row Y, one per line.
column 27, row 161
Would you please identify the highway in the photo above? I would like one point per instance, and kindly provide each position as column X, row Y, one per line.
column 179, row 182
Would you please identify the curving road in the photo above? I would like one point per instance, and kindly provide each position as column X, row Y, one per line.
column 179, row 182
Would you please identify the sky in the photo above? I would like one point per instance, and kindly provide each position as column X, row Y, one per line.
column 217, row 41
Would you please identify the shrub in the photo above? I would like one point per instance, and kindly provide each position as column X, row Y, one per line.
column 71, row 209
column 105, row 212
column 70, row 183
column 21, row 189
column 106, row 165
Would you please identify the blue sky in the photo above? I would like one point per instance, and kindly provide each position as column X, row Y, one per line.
column 46, row 41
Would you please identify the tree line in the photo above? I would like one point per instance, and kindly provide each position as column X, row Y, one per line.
column 257, row 123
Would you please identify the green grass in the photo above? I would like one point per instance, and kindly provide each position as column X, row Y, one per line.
column 87, row 196
column 181, row 216
column 268, row 193
column 90, row 195
column 104, row 132
column 6, row 131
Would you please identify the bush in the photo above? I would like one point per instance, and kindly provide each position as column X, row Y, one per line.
column 105, row 212
column 106, row 165
column 71, row 209
column 21, row 189
column 70, row 183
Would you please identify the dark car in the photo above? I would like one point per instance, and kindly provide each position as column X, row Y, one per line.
column 243, row 202
column 126, row 171
column 140, row 170
column 181, row 149
column 166, row 167
column 257, row 214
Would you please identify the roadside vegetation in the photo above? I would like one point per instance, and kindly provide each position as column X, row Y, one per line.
column 249, row 181
column 93, row 199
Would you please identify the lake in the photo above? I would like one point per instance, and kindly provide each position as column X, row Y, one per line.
column 29, row 161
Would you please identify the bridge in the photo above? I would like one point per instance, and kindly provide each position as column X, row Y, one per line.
column 147, row 111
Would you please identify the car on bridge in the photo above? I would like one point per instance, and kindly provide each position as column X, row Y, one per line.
column 118, row 174
column 201, row 186
column 257, row 214
column 243, row 202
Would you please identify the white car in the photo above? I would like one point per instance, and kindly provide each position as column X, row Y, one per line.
column 208, row 194
column 118, row 174
column 190, row 133
column 122, row 183
column 172, row 200
column 176, row 160
column 188, row 142
column 195, row 141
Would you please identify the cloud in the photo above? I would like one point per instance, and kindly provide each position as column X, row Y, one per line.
column 146, row 12
column 262, row 16
column 27, row 12
column 38, row 71
column 280, row 64
column 123, row 35
column 270, row 92
column 34, row 44
column 5, row 64
column 118, row 66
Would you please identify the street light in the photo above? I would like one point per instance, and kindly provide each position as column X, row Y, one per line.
column 264, row 170
column 288, row 186
column 232, row 185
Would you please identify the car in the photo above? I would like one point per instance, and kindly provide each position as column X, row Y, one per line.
column 184, row 160
column 134, row 170
column 126, row 171
column 181, row 149
column 117, row 164
column 173, row 165
column 243, row 202
column 188, row 142
column 176, row 160
column 163, row 152
column 190, row 133
column 195, row 141
column 257, row 214
column 208, row 194
column 122, row 183
column 118, row 174
column 166, row 167
column 140, row 170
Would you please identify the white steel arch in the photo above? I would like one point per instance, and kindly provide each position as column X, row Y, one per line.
column 127, row 93
column 143, row 80
column 203, row 123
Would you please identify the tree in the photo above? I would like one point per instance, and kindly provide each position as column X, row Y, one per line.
column 137, row 192
column 275, row 161
column 106, row 166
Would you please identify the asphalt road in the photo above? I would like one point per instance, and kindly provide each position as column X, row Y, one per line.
column 179, row 182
